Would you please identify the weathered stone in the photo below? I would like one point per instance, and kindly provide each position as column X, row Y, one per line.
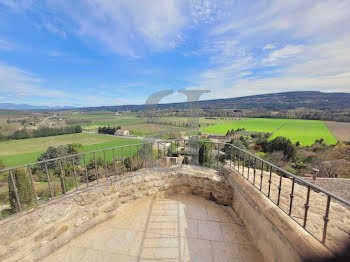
column 81, row 220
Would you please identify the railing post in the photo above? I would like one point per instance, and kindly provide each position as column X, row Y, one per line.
column 122, row 152
column 96, row 169
column 105, row 164
column 326, row 219
column 279, row 191
column 158, row 152
column 254, row 171
column 62, row 178
column 137, row 156
column 239, row 160
column 211, row 154
column 15, row 190
column 74, row 173
column 269, row 191
column 48, row 180
column 261, row 175
column 144, row 155
column 307, row 205
column 217, row 158
column 32, row 182
column 291, row 197
column 243, row 163
column 248, row 167
column 130, row 158
column 114, row 167
column 86, row 174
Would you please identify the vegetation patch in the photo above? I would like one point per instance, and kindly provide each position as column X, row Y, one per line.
column 303, row 131
column 20, row 152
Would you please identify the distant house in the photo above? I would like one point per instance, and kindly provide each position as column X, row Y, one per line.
column 122, row 132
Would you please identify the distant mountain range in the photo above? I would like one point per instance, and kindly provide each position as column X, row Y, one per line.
column 10, row 106
column 276, row 101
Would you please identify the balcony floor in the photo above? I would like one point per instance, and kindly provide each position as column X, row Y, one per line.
column 180, row 227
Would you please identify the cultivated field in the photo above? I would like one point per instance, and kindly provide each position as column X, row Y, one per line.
column 340, row 130
column 19, row 152
column 304, row 131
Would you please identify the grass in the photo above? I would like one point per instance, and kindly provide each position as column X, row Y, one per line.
column 20, row 152
column 304, row 131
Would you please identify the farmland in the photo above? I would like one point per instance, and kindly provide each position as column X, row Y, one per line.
column 18, row 152
column 304, row 131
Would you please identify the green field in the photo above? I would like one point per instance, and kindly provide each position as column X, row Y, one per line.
column 304, row 131
column 19, row 152
column 96, row 124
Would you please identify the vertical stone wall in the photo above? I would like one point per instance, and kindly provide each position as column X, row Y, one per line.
column 34, row 234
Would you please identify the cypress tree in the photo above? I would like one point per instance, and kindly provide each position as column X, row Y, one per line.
column 24, row 189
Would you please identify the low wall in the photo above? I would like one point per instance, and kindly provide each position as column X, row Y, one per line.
column 34, row 234
column 276, row 235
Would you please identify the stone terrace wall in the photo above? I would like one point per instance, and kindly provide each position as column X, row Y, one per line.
column 34, row 234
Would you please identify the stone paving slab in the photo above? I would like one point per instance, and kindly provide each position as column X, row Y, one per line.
column 180, row 227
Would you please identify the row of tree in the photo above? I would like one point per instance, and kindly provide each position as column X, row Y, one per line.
column 110, row 130
column 42, row 132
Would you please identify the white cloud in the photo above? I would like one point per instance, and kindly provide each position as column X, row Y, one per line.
column 21, row 83
column 284, row 53
column 7, row 46
column 269, row 46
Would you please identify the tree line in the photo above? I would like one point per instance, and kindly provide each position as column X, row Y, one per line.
column 42, row 132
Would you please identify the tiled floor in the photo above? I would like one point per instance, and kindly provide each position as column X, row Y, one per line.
column 178, row 228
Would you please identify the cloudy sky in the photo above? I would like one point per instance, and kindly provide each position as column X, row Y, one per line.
column 112, row 52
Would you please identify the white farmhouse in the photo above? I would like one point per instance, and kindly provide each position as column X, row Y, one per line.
column 122, row 132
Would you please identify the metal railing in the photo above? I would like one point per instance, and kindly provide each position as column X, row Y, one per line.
column 105, row 164
column 51, row 178
column 263, row 175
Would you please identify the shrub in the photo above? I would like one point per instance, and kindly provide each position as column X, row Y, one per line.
column 24, row 189
column 282, row 144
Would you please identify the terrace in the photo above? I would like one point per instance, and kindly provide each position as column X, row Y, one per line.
column 176, row 201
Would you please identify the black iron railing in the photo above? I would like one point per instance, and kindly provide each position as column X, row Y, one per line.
column 54, row 177
column 264, row 176
column 60, row 175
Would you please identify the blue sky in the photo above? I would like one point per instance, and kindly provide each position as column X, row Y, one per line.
column 113, row 52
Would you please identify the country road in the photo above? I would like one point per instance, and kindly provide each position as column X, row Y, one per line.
column 152, row 140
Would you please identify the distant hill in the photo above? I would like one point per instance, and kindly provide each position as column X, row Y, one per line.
column 276, row 101
column 11, row 106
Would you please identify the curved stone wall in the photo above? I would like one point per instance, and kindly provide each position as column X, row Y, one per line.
column 34, row 234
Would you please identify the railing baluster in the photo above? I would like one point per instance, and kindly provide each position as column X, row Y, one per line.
column 217, row 158
column 279, row 191
column 254, row 171
column 32, row 182
column 18, row 202
column 270, row 180
column 86, row 173
column 122, row 152
column 105, row 164
column 144, row 155
column 326, row 219
column 234, row 159
column 130, row 158
column 48, row 180
column 114, row 167
column 307, row 205
column 291, row 197
column 62, row 177
column 75, row 174
column 248, row 167
column 158, row 151
column 243, row 163
column 261, row 175
column 238, row 153
column 96, row 169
